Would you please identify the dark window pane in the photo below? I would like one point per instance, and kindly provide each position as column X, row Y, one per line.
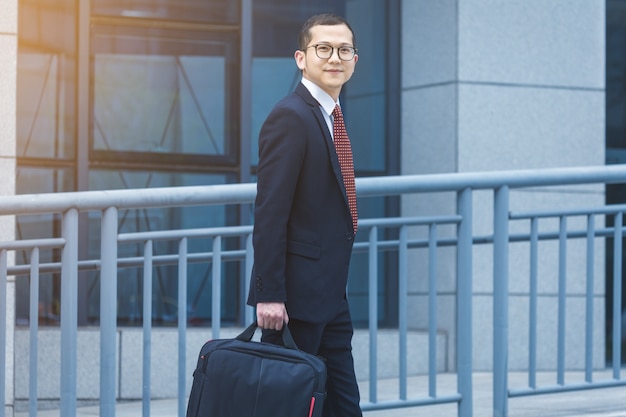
column 616, row 80
column 278, row 22
column 164, row 92
column 365, row 95
column 283, row 75
column 615, row 143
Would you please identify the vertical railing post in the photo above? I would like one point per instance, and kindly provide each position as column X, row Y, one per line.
column 182, row 326
column 373, row 312
column 500, row 301
column 617, row 293
column 562, row 300
column 3, row 329
column 108, row 311
column 33, row 324
column 589, row 298
column 402, row 309
column 69, row 312
column 147, row 328
column 249, row 311
column 432, row 310
column 532, row 315
column 216, row 288
column 464, row 303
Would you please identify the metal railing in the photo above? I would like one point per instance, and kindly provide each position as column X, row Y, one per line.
column 463, row 186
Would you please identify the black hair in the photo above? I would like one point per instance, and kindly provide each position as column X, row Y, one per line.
column 326, row 19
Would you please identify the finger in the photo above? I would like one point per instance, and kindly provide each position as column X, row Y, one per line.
column 260, row 321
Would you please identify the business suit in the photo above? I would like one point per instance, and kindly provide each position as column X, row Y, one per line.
column 303, row 229
column 303, row 237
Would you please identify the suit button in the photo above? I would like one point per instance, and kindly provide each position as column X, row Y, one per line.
column 349, row 236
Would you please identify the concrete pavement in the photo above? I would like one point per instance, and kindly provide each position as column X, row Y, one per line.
column 609, row 402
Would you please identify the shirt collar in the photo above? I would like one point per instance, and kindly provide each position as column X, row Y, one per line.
column 326, row 102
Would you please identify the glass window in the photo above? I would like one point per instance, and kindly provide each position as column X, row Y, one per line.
column 285, row 76
column 616, row 81
column 615, row 139
column 35, row 180
column 218, row 11
column 46, row 133
column 168, row 95
column 366, row 95
column 46, row 95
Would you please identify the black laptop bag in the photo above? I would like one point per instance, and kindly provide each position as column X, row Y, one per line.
column 244, row 378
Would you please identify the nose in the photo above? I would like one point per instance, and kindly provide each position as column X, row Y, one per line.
column 334, row 56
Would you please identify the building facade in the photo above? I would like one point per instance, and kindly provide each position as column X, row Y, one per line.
column 106, row 94
column 8, row 75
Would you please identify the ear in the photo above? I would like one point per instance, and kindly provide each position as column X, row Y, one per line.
column 300, row 58
column 356, row 58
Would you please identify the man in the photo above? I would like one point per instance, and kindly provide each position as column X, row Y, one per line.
column 304, row 222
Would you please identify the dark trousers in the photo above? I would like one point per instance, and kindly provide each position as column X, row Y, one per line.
column 333, row 342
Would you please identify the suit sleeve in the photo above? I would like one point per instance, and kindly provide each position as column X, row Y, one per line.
column 282, row 149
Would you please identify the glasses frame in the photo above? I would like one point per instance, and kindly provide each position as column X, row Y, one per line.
column 332, row 51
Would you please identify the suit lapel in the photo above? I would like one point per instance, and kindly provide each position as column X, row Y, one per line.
column 302, row 91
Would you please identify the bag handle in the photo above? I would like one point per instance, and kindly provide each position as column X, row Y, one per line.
column 288, row 341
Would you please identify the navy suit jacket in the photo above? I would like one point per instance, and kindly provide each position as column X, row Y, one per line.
column 303, row 232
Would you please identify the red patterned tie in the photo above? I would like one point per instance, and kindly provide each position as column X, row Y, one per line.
column 344, row 152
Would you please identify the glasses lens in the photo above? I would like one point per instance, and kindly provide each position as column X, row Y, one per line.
column 324, row 51
column 346, row 53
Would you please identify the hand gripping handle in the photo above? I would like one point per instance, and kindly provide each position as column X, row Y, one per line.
column 288, row 341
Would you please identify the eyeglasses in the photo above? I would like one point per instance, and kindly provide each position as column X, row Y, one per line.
column 325, row 51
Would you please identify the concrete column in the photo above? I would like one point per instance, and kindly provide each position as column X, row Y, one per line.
column 8, row 74
column 493, row 85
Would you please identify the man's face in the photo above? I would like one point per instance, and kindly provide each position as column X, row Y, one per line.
column 329, row 74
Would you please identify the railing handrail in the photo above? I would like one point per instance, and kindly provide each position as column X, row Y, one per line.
column 366, row 187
